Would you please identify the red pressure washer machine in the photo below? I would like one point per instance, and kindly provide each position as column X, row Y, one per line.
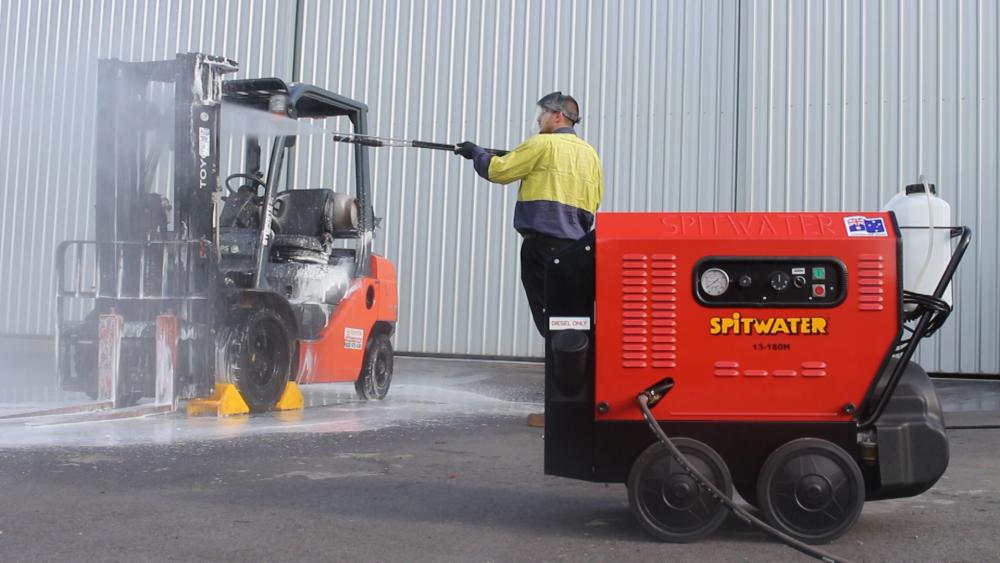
column 773, row 348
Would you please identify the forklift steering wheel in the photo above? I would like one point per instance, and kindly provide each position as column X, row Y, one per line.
column 253, row 179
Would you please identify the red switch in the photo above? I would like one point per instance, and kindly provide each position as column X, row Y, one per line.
column 819, row 290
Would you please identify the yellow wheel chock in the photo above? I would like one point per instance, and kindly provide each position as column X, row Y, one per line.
column 226, row 400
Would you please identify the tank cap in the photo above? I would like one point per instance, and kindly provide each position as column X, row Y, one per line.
column 919, row 189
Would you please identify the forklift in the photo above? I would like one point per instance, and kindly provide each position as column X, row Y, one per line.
column 222, row 283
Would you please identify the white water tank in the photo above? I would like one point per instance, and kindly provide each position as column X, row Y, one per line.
column 924, row 219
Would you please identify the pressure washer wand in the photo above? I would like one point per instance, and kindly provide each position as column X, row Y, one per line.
column 370, row 141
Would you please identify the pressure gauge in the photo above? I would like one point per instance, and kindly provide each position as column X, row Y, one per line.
column 714, row 282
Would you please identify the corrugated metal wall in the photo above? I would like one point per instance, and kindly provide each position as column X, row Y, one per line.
column 692, row 105
column 842, row 103
column 47, row 110
column 658, row 97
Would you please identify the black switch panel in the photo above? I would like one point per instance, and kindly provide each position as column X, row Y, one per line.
column 770, row 281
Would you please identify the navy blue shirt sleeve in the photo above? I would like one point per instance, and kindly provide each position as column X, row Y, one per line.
column 481, row 162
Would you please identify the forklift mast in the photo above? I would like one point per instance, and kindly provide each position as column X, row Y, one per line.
column 123, row 173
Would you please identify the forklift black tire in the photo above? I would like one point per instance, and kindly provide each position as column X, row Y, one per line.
column 376, row 371
column 811, row 489
column 259, row 356
column 668, row 502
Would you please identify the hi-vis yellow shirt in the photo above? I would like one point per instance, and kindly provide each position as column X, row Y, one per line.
column 556, row 167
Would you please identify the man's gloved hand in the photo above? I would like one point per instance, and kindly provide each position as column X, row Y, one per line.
column 467, row 149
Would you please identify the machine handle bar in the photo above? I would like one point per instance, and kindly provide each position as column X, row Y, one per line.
column 921, row 329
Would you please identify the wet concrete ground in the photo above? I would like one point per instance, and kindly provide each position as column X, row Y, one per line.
column 445, row 470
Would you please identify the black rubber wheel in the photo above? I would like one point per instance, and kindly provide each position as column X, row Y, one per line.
column 376, row 371
column 668, row 502
column 811, row 489
column 260, row 355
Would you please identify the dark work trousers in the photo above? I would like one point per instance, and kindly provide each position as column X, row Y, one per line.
column 536, row 252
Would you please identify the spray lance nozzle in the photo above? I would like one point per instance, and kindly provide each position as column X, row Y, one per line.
column 372, row 141
column 359, row 140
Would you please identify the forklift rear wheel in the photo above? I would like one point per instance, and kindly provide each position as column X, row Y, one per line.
column 668, row 502
column 811, row 489
column 259, row 355
column 376, row 372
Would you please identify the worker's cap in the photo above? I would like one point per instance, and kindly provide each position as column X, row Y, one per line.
column 566, row 105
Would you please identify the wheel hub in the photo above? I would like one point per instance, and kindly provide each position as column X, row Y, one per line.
column 814, row 492
column 680, row 492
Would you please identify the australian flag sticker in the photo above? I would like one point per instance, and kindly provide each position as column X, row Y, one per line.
column 858, row 226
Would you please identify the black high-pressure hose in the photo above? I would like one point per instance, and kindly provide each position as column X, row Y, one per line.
column 650, row 397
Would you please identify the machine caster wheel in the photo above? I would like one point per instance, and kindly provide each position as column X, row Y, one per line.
column 259, row 355
column 376, row 372
column 811, row 489
column 668, row 502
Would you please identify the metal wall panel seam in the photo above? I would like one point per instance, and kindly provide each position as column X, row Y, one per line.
column 651, row 123
column 630, row 177
column 10, row 30
column 825, row 110
column 843, row 103
column 432, row 189
column 445, row 185
column 408, row 321
column 861, row 111
column 899, row 102
column 673, row 119
column 682, row 146
column 13, row 155
column 30, row 76
column 806, row 105
column 62, row 179
column 501, row 254
column 45, row 278
column 880, row 126
column 340, row 74
column 488, row 239
column 996, row 111
column 82, row 142
column 461, row 183
column 326, row 74
column 411, row 298
column 35, row 135
column 376, row 189
column 389, row 188
column 788, row 106
column 473, row 242
column 274, row 51
column 939, row 103
column 420, row 162
column 717, row 181
column 979, row 178
column 770, row 110
column 305, row 147
column 603, row 72
column 957, row 316
column 751, row 161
